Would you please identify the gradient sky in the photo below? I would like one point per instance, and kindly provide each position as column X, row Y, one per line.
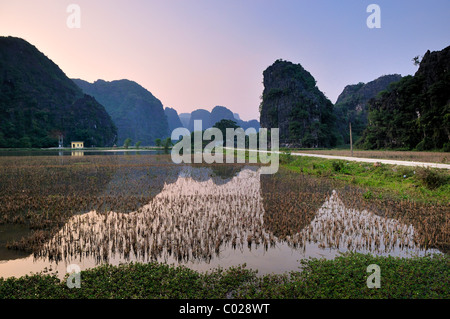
column 201, row 53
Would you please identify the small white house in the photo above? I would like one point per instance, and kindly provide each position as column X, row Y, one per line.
column 77, row 144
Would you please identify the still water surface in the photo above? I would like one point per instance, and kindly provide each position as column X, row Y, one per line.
column 85, row 152
column 202, row 221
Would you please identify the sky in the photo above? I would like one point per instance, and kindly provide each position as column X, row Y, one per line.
column 195, row 54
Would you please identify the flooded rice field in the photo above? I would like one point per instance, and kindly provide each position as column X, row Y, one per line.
column 57, row 211
column 79, row 152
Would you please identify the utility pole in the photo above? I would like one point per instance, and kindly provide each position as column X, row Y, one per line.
column 351, row 141
column 60, row 140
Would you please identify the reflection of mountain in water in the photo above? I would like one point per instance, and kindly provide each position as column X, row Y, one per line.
column 336, row 226
column 188, row 219
column 291, row 201
column 137, row 180
column 219, row 174
column 196, row 220
column 428, row 219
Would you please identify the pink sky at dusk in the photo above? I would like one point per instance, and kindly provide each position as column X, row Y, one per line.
column 201, row 53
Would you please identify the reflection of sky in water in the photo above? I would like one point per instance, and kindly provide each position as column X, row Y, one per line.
column 204, row 220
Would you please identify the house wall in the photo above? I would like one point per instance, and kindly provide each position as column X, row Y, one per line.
column 77, row 144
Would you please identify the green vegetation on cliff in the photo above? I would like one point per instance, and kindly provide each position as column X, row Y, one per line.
column 413, row 113
column 137, row 114
column 38, row 102
column 352, row 106
column 292, row 102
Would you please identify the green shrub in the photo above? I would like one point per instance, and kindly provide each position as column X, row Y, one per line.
column 337, row 166
column 342, row 277
column 432, row 178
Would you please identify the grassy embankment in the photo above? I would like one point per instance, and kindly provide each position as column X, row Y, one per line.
column 381, row 180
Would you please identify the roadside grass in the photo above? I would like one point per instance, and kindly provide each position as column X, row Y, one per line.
column 416, row 156
column 418, row 184
column 343, row 277
column 398, row 182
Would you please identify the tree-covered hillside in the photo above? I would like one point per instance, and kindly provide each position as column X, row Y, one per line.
column 38, row 102
column 137, row 114
column 414, row 113
column 351, row 106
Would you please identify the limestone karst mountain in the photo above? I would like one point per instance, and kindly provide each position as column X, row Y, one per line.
column 292, row 102
column 414, row 113
column 173, row 120
column 137, row 113
column 352, row 105
column 38, row 102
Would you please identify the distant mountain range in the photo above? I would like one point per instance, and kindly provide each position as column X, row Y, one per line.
column 39, row 104
column 140, row 116
column 217, row 114
column 208, row 119
column 184, row 118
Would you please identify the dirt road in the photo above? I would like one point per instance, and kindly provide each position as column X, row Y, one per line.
column 369, row 160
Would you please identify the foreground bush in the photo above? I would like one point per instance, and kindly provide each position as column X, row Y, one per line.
column 432, row 179
column 343, row 277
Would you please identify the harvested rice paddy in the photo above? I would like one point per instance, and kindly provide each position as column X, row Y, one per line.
column 116, row 209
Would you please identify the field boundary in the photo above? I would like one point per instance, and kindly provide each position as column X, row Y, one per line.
column 360, row 159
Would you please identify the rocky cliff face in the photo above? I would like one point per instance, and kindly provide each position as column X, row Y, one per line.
column 38, row 102
column 415, row 112
column 352, row 105
column 135, row 111
column 434, row 68
column 359, row 94
column 292, row 102
column 173, row 119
